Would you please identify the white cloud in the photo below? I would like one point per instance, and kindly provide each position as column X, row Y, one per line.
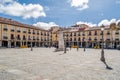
column 107, row 22
column 44, row 25
column 79, row 4
column 87, row 23
column 22, row 10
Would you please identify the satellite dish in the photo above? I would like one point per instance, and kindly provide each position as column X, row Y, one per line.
column 113, row 26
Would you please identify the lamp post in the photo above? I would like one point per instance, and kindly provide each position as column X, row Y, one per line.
column 77, row 45
column 65, row 43
column 31, row 45
column 102, row 52
column 84, row 40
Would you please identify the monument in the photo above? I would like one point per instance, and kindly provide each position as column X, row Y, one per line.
column 61, row 42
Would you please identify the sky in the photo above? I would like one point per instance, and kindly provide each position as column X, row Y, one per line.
column 64, row 13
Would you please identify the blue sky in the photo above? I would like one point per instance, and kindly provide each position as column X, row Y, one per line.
column 60, row 12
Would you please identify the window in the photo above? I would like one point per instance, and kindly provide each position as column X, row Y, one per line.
column 24, row 30
column 108, row 32
column 12, row 28
column 18, row 37
column 117, row 32
column 95, row 32
column 18, row 29
column 12, row 36
column 5, row 36
column 5, row 28
column 24, row 37
column 79, row 34
column 89, row 33
column 78, row 39
column 29, row 31
column 74, row 34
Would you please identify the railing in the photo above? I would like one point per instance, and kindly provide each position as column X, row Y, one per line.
column 29, row 32
column 5, row 37
column 24, row 31
column 18, row 31
column 5, row 29
column 12, row 30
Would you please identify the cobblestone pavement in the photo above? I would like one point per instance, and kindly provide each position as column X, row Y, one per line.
column 45, row 64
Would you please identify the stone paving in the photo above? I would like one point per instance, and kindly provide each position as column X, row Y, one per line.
column 45, row 64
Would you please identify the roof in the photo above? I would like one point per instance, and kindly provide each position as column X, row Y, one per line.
column 16, row 23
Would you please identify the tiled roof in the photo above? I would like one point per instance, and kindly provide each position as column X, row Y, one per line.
column 15, row 23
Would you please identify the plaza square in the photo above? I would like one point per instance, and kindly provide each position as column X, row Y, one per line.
column 45, row 64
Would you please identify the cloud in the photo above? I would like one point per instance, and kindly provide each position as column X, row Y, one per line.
column 87, row 23
column 13, row 8
column 44, row 25
column 107, row 22
column 79, row 4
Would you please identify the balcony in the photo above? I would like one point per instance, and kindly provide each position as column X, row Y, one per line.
column 89, row 39
column 29, row 38
column 101, row 33
column 95, row 34
column 107, row 39
column 37, row 33
column 18, row 31
column 108, row 33
column 34, row 39
column 5, row 37
column 24, row 31
column 83, row 34
column 95, row 39
column 12, row 38
column 12, row 30
column 78, row 34
column 116, row 39
column 18, row 38
column 117, row 33
column 5, row 29
column 29, row 32
column 74, row 35
column 33, row 32
column 89, row 34
column 24, row 38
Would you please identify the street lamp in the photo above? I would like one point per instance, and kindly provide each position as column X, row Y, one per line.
column 31, row 45
column 84, row 40
column 102, row 52
column 65, row 43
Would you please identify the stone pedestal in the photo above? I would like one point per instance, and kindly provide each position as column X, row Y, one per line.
column 61, row 45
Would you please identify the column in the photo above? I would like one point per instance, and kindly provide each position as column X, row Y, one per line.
column 81, row 45
column 20, row 44
column 98, row 44
column 86, row 44
column 15, row 44
column 9, row 44
column 0, row 43
column 92, row 44
column 35, row 44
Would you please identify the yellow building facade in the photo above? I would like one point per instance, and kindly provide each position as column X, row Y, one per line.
column 15, row 34
column 91, row 37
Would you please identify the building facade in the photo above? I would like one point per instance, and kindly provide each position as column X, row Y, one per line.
column 91, row 37
column 15, row 34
